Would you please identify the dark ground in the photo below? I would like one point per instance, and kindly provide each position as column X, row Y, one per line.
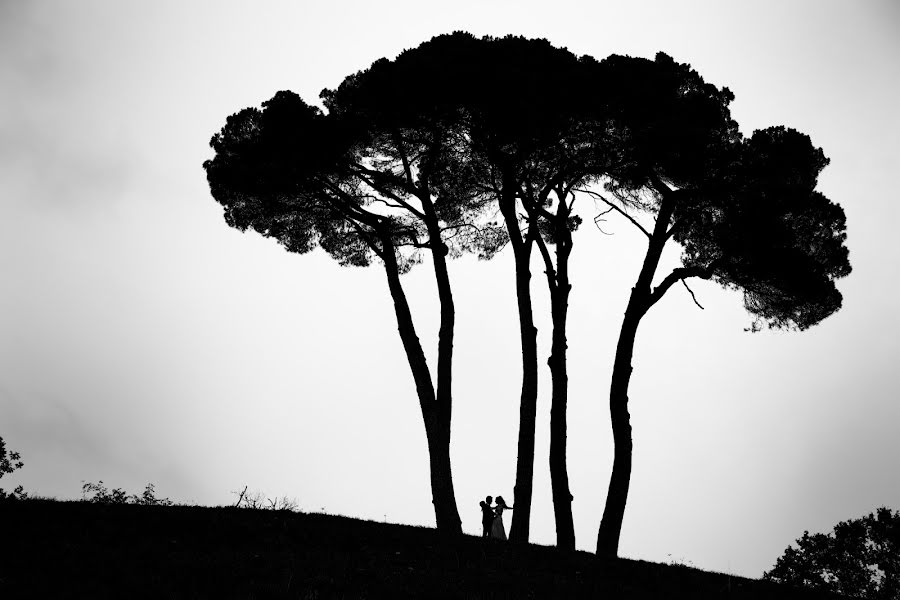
column 51, row 549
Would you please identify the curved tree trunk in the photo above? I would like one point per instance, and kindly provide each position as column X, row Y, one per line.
column 617, row 494
column 559, row 477
column 437, row 430
column 638, row 304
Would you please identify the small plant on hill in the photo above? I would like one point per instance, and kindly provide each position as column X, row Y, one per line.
column 260, row 501
column 100, row 494
column 10, row 462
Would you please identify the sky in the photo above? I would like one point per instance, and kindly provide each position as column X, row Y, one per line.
column 143, row 340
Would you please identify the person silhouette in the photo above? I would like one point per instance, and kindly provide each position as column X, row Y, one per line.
column 498, row 531
column 487, row 516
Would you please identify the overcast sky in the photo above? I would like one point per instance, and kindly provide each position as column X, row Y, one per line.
column 142, row 340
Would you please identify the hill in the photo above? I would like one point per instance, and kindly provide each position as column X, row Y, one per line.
column 83, row 550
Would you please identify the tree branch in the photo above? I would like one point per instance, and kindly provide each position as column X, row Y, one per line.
column 548, row 262
column 676, row 275
column 684, row 283
column 617, row 209
column 366, row 174
column 598, row 218
column 406, row 167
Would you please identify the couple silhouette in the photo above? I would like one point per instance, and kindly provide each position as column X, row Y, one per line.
column 492, row 518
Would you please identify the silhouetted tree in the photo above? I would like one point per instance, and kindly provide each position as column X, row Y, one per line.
column 522, row 142
column 745, row 212
column 532, row 142
column 860, row 558
column 360, row 184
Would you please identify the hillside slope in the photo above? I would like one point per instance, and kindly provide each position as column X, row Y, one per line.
column 81, row 550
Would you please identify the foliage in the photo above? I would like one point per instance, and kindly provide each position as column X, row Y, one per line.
column 861, row 557
column 98, row 493
column 9, row 463
column 744, row 209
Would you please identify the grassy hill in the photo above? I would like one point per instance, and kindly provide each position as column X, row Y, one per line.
column 51, row 549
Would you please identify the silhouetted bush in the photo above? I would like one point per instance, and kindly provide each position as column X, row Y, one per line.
column 10, row 462
column 100, row 494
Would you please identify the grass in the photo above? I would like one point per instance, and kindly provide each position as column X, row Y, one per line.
column 52, row 549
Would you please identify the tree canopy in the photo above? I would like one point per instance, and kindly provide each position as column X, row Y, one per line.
column 423, row 153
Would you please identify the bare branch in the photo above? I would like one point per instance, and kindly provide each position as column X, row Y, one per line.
column 617, row 209
column 599, row 219
column 684, row 283
column 385, row 202
column 367, row 174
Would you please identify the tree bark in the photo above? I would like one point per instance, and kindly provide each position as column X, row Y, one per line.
column 559, row 477
column 437, row 430
column 638, row 304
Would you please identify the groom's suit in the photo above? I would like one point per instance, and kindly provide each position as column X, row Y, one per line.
column 487, row 519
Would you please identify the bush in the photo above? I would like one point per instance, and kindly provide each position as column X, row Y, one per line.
column 10, row 462
column 100, row 494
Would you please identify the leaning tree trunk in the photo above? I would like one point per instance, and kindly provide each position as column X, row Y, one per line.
column 437, row 432
column 638, row 304
column 559, row 477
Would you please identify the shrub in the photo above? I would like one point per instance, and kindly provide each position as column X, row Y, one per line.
column 100, row 494
column 10, row 462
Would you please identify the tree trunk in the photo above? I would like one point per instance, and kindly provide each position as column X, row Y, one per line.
column 521, row 521
column 437, row 430
column 617, row 494
column 638, row 304
column 522, row 492
column 443, row 497
column 559, row 477
column 440, row 458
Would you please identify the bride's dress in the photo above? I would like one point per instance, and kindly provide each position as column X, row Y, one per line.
column 498, row 531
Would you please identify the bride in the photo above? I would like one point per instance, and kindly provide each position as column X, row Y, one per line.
column 498, row 532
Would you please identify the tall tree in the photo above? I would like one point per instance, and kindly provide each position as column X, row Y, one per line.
column 358, row 189
column 530, row 142
column 536, row 144
column 521, row 131
column 518, row 140
column 745, row 212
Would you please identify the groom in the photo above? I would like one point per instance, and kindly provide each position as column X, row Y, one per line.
column 487, row 516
